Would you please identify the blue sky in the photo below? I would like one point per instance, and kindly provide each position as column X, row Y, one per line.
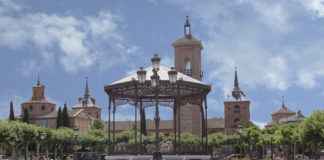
column 277, row 46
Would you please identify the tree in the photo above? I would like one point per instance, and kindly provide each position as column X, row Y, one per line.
column 97, row 124
column 12, row 113
column 59, row 122
column 312, row 131
column 65, row 117
column 25, row 115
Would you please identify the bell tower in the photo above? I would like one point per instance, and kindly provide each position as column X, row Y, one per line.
column 187, row 52
column 237, row 108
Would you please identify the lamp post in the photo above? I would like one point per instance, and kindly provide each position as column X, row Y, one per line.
column 173, row 81
column 42, row 137
column 141, row 76
column 155, row 85
column 155, row 80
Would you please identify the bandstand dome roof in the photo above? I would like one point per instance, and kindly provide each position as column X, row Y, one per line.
column 163, row 73
column 125, row 90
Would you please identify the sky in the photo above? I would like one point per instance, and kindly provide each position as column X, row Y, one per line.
column 277, row 46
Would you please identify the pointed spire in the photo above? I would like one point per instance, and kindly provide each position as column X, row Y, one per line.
column 237, row 93
column 87, row 91
column 283, row 102
column 236, row 82
column 187, row 28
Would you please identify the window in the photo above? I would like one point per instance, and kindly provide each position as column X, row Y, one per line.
column 236, row 120
column 188, row 68
column 31, row 108
column 43, row 108
column 237, row 109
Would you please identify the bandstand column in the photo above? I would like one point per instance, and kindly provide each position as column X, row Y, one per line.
column 203, row 128
column 135, row 126
column 109, row 121
column 157, row 125
column 179, row 123
column 114, row 123
column 175, row 124
column 135, row 112
column 206, row 123
column 178, row 104
column 141, row 125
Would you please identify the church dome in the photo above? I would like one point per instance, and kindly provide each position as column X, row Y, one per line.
column 284, row 110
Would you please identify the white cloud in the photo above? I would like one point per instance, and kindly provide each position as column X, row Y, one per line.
column 266, row 40
column 75, row 43
column 8, row 6
column 272, row 14
column 315, row 6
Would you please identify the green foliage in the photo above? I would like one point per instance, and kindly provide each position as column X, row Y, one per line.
column 312, row 130
column 216, row 139
column 97, row 124
column 188, row 138
column 62, row 134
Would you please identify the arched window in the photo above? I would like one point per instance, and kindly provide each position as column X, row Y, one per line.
column 31, row 108
column 188, row 67
column 237, row 109
column 43, row 108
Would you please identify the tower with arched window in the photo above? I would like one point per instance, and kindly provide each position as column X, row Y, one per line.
column 236, row 108
column 187, row 60
column 187, row 50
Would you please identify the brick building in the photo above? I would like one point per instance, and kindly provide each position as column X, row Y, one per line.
column 44, row 113
column 236, row 108
column 285, row 115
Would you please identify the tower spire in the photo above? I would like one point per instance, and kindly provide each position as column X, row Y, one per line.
column 283, row 102
column 87, row 91
column 187, row 28
column 236, row 82
column 237, row 93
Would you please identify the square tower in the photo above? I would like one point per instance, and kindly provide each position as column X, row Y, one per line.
column 187, row 53
column 236, row 109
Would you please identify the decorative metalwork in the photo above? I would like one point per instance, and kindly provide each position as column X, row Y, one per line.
column 155, row 92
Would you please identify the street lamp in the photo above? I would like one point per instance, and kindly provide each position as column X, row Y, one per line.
column 41, row 137
column 173, row 80
column 172, row 75
column 155, row 84
column 156, row 62
column 155, row 79
column 141, row 75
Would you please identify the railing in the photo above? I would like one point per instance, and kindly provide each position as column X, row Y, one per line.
column 166, row 149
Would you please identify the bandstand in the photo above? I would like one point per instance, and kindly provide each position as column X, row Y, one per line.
column 157, row 86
